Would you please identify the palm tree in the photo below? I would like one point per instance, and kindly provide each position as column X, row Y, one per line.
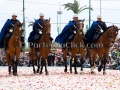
column 75, row 7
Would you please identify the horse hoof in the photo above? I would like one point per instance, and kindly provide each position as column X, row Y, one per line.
column 76, row 72
column 10, row 73
column 70, row 71
column 99, row 69
column 37, row 71
column 65, row 70
column 46, row 73
column 104, row 73
column 92, row 72
column 15, row 74
column 40, row 72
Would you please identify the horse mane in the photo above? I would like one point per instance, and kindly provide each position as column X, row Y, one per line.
column 46, row 20
column 112, row 26
column 116, row 28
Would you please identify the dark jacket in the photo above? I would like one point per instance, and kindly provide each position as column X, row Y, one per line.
column 102, row 25
column 73, row 27
column 67, row 30
column 36, row 29
column 38, row 26
column 5, row 29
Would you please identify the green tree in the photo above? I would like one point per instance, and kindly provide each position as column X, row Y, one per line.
column 75, row 7
column 31, row 23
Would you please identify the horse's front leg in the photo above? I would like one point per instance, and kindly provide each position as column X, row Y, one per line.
column 92, row 64
column 101, row 63
column 38, row 65
column 104, row 66
column 13, row 65
column 71, row 65
column 9, row 63
column 65, row 60
column 33, row 64
column 81, row 65
column 42, row 63
column 46, row 71
column 75, row 63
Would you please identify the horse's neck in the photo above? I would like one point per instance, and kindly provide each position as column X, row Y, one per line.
column 78, row 37
column 105, row 38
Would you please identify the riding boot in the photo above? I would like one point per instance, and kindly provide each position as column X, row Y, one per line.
column 96, row 36
column 36, row 38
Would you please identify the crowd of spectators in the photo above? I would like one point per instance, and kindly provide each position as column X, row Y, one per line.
column 56, row 59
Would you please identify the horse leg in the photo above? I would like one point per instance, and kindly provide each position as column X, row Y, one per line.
column 32, row 58
column 65, row 59
column 65, row 70
column 13, row 65
column 41, row 66
column 46, row 71
column 100, row 66
column 104, row 64
column 33, row 64
column 75, row 62
column 38, row 64
column 81, row 65
column 71, row 65
column 9, row 63
column 92, row 64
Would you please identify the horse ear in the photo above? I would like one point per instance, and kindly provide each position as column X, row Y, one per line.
column 49, row 19
column 83, row 19
column 22, row 23
column 119, row 29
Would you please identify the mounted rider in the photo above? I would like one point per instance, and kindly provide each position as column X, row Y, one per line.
column 68, row 33
column 97, row 28
column 7, row 31
column 37, row 30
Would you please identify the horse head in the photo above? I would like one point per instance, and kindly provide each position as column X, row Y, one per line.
column 80, row 26
column 46, row 26
column 17, row 32
column 18, row 27
column 113, row 33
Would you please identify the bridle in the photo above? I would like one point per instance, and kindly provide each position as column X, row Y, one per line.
column 18, row 35
column 111, row 35
column 80, row 26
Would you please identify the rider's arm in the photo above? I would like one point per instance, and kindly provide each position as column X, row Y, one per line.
column 104, row 26
column 72, row 29
column 96, row 28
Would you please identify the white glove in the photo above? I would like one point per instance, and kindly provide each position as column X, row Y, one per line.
column 75, row 32
column 40, row 32
column 11, row 30
column 101, row 30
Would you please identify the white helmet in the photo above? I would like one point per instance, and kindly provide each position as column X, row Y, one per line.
column 14, row 14
column 41, row 14
column 99, row 16
column 75, row 15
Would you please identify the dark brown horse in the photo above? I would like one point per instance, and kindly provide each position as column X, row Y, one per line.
column 77, row 47
column 101, row 48
column 14, row 48
column 44, row 46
